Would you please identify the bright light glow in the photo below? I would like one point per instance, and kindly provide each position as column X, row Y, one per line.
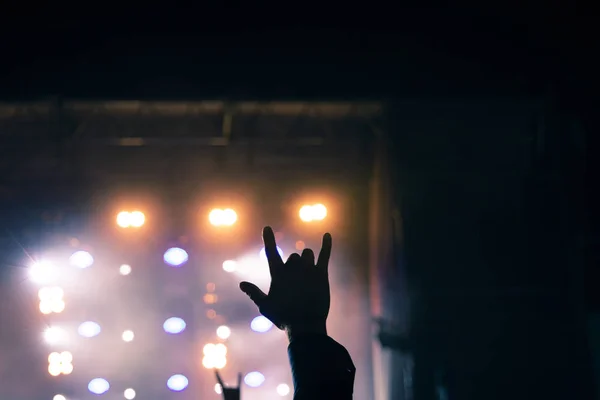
column 125, row 269
column 59, row 397
column 98, row 386
column 51, row 300
column 43, row 273
column 137, row 219
column 177, row 383
column 215, row 356
column 174, row 325
column 229, row 266
column 254, row 379
column 123, row 219
column 89, row 329
column 223, row 332
column 54, row 335
column 127, row 336
column 129, row 394
column 134, row 219
column 283, row 389
column 263, row 253
column 218, row 388
column 316, row 212
column 60, row 363
column 261, row 324
column 175, row 256
column 81, row 259
column 219, row 217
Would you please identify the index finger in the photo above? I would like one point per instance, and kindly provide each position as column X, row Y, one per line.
column 273, row 256
column 323, row 261
column 219, row 379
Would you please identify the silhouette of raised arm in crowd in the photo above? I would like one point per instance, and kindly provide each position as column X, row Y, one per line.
column 230, row 393
column 298, row 302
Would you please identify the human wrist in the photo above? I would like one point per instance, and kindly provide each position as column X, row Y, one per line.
column 297, row 330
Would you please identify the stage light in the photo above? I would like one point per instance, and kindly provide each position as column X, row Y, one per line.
column 219, row 217
column 254, row 379
column 177, row 382
column 283, row 389
column 129, row 394
column 127, row 336
column 263, row 255
column 81, row 259
column 54, row 335
column 174, row 325
column 43, row 273
column 98, row 386
column 316, row 212
column 261, row 324
column 175, row 257
column 215, row 356
column 223, row 332
column 220, row 349
column 59, row 397
column 51, row 300
column 89, row 329
column 229, row 266
column 125, row 269
column 60, row 363
column 135, row 219
column 218, row 389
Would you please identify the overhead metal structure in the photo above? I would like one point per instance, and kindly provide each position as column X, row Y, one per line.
column 50, row 139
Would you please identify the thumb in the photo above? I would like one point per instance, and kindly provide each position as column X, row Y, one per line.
column 255, row 294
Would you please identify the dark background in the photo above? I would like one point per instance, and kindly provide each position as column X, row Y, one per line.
column 467, row 69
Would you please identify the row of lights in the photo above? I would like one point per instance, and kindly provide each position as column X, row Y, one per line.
column 173, row 325
column 178, row 383
column 221, row 217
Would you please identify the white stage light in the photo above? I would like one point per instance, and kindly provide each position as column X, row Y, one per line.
column 174, row 325
column 175, row 256
column 129, row 394
column 218, row 389
column 43, row 273
column 223, row 332
column 89, row 329
column 177, row 382
column 98, row 386
column 254, row 379
column 263, row 254
column 229, row 266
column 125, row 269
column 54, row 335
column 59, row 397
column 127, row 336
column 81, row 259
column 283, row 389
column 261, row 324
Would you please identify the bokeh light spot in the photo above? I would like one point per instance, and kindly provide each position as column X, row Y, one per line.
column 98, row 386
column 177, row 382
column 254, row 379
column 174, row 325
column 261, row 324
column 175, row 257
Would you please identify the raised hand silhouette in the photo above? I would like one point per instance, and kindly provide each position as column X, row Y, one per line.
column 298, row 299
column 230, row 393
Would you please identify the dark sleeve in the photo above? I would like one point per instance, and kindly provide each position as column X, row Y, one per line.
column 321, row 368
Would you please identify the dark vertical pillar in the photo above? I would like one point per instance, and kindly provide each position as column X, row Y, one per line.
column 488, row 245
column 387, row 293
